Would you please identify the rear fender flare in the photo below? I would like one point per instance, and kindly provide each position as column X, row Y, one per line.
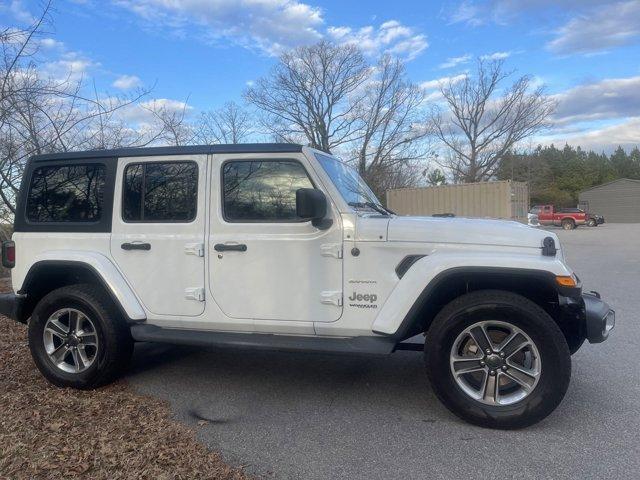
column 110, row 277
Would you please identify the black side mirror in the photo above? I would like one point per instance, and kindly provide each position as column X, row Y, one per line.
column 311, row 204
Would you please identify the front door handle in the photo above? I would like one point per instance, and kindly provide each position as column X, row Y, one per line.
column 234, row 247
column 136, row 246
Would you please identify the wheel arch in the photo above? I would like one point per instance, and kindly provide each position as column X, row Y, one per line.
column 46, row 275
column 537, row 285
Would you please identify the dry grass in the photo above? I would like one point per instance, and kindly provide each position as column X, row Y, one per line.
column 109, row 433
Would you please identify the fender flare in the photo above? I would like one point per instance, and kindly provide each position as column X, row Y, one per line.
column 104, row 270
column 425, row 275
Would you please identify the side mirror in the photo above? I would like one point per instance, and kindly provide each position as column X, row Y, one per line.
column 311, row 204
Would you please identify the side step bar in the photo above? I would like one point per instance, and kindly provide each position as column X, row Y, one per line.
column 264, row 341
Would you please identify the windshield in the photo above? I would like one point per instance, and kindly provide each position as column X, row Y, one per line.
column 350, row 184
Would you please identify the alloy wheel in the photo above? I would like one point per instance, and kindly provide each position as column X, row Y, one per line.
column 70, row 340
column 495, row 363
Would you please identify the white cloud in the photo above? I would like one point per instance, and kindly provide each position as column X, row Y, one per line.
column 51, row 44
column 496, row 56
column 599, row 115
column 140, row 114
column 455, row 61
column 602, row 28
column 467, row 12
column 625, row 134
column 390, row 37
column 17, row 10
column 612, row 98
column 167, row 104
column 71, row 66
column 437, row 83
column 481, row 12
column 270, row 25
column 125, row 82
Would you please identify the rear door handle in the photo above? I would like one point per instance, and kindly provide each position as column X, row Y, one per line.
column 234, row 247
column 136, row 246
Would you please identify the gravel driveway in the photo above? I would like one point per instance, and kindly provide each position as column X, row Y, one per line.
column 318, row 416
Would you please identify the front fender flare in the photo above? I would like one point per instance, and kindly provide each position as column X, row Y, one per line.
column 425, row 274
column 102, row 267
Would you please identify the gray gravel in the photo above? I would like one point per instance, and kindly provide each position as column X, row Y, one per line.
column 318, row 416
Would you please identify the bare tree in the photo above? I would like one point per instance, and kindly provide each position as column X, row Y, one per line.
column 484, row 123
column 16, row 45
column 171, row 123
column 393, row 130
column 42, row 115
column 312, row 93
column 228, row 124
column 109, row 129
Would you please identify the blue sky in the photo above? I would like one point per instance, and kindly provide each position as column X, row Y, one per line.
column 204, row 52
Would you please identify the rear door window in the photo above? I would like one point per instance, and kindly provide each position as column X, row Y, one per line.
column 66, row 193
column 160, row 192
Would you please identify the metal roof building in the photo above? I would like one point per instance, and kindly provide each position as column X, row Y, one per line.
column 618, row 201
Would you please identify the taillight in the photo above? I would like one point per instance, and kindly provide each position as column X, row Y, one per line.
column 8, row 254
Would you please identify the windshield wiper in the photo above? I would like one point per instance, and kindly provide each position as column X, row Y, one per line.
column 378, row 208
column 388, row 210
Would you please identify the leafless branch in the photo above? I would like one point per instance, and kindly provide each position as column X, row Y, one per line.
column 228, row 124
column 484, row 122
column 393, row 129
column 313, row 93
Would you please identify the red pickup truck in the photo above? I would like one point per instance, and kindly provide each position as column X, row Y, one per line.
column 567, row 218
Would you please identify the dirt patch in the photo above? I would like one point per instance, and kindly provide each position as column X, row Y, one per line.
column 108, row 433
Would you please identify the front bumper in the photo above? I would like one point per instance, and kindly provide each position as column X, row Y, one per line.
column 11, row 305
column 600, row 318
column 584, row 316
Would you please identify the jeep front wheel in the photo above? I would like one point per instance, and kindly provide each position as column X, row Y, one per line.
column 497, row 360
column 77, row 337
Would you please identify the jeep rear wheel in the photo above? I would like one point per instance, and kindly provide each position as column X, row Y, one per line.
column 77, row 337
column 568, row 224
column 497, row 360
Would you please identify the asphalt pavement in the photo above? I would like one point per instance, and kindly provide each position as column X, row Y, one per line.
column 311, row 416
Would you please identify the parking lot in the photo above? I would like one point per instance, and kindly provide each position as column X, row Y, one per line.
column 318, row 416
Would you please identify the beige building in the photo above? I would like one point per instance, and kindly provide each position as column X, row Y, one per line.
column 504, row 199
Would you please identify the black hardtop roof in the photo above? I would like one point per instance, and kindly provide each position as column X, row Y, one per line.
column 182, row 150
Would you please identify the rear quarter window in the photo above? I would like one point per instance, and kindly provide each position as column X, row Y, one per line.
column 66, row 193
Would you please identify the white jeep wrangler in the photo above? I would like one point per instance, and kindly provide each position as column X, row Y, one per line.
column 278, row 246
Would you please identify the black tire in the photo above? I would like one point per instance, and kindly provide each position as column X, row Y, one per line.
column 114, row 337
column 516, row 310
column 568, row 224
column 592, row 222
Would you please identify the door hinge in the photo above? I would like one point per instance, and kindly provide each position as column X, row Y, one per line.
column 331, row 250
column 196, row 249
column 196, row 293
column 331, row 298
